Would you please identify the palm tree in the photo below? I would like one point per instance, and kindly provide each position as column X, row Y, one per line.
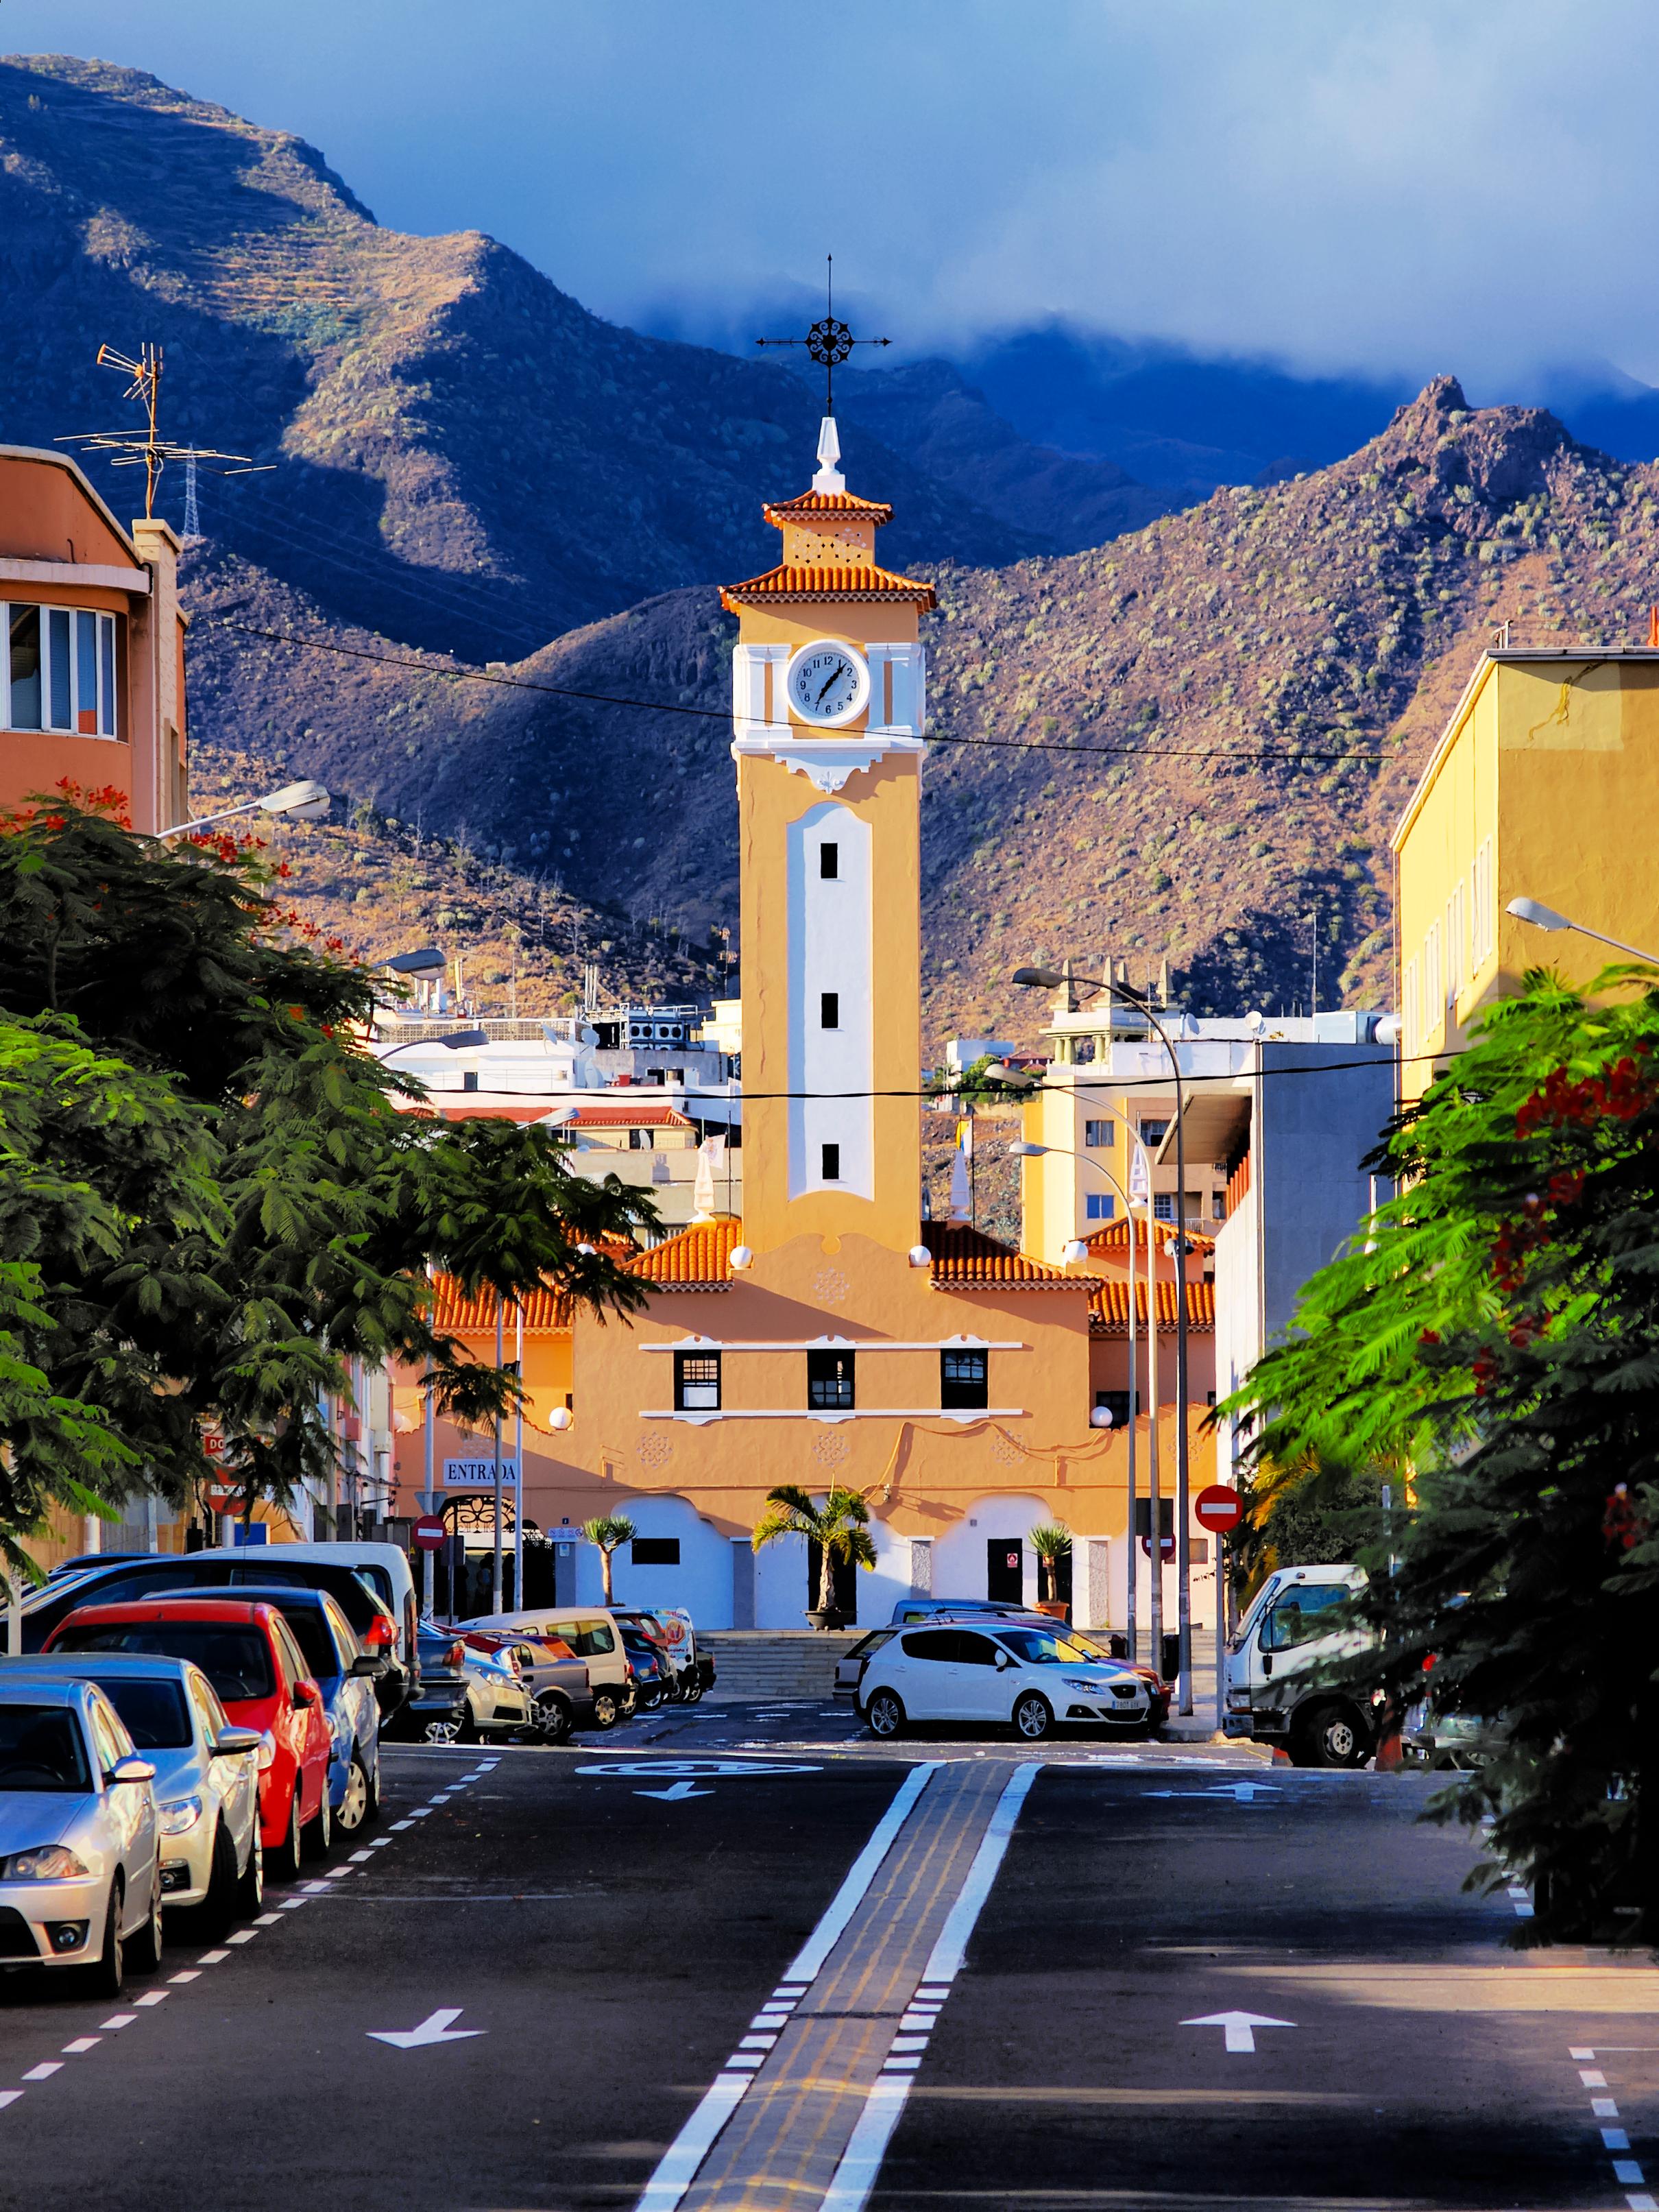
column 1052, row 1544
column 840, row 1528
column 608, row 1531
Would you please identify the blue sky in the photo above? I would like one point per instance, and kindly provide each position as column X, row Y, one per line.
column 1395, row 186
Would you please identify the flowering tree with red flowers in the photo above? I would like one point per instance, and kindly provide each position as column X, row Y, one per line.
column 1493, row 1335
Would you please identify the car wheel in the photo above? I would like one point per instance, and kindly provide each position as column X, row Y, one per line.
column 694, row 1690
column 288, row 1853
column 220, row 1906
column 1034, row 1717
column 552, row 1718
column 318, row 1831
column 440, row 1732
column 144, row 1945
column 884, row 1714
column 105, row 1979
column 1332, row 1735
column 354, row 1804
column 607, row 1711
column 251, row 1883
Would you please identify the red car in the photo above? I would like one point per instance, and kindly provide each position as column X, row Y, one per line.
column 248, row 1653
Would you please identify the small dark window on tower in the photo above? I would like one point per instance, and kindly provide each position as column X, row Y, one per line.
column 830, row 1382
column 830, row 1010
column 963, row 1380
column 655, row 1550
column 829, row 861
column 832, row 1163
column 470, row 1079
column 696, row 1382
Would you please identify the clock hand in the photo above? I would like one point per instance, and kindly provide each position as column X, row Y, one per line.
column 835, row 677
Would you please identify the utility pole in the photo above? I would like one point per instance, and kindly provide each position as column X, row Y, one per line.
column 495, row 1559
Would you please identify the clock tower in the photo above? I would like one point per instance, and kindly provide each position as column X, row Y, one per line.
column 828, row 711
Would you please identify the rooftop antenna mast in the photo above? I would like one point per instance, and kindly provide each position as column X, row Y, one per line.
column 828, row 342
column 152, row 451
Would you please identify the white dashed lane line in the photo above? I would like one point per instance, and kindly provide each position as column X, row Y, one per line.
column 84, row 2044
column 1628, row 2173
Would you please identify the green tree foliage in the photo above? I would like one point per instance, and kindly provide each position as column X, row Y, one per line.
column 1495, row 1340
column 212, row 1200
column 609, row 1532
column 840, row 1528
column 1051, row 1544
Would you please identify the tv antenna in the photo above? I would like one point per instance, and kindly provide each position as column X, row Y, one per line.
column 829, row 342
column 151, row 452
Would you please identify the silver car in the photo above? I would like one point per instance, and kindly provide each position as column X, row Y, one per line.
column 80, row 1872
column 207, row 1771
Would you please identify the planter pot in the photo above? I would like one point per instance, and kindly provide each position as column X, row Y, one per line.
column 821, row 1619
column 1055, row 1607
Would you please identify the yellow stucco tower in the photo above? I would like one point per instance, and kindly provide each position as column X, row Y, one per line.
column 829, row 713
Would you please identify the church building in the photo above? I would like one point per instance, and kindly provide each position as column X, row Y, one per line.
column 831, row 1336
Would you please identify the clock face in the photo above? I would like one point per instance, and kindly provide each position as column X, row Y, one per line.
column 828, row 682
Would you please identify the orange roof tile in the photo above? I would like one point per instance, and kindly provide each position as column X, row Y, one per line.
column 1109, row 1308
column 642, row 1116
column 780, row 511
column 864, row 582
column 698, row 1259
column 966, row 1259
column 1116, row 1233
column 546, row 1312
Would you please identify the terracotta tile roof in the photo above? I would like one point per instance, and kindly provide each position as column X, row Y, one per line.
column 642, row 1116
column 780, row 511
column 865, row 581
column 546, row 1313
column 698, row 1259
column 1115, row 1238
column 1109, row 1308
column 439, row 1109
column 967, row 1260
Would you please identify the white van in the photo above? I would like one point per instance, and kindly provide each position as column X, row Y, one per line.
column 1291, row 1681
column 383, row 1567
column 592, row 1635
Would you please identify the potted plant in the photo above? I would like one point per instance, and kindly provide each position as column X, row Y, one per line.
column 609, row 1531
column 1052, row 1544
column 840, row 1528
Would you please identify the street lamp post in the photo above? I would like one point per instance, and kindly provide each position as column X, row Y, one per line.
column 1022, row 1149
column 1050, row 979
column 1545, row 917
column 298, row 802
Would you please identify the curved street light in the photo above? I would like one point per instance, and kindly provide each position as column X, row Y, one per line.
column 1051, row 978
column 1545, row 917
column 294, row 802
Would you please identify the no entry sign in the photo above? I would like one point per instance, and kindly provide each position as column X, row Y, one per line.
column 429, row 1533
column 1218, row 1509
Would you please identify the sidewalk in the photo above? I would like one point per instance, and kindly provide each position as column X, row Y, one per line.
column 1199, row 1725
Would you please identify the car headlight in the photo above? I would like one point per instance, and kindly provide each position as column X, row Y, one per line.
column 267, row 1750
column 179, row 1814
column 46, row 1862
column 1082, row 1682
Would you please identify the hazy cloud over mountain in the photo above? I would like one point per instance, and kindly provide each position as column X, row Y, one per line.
column 1387, row 187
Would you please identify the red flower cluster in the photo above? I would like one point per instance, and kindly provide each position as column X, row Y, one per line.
column 1619, row 1525
column 1623, row 1092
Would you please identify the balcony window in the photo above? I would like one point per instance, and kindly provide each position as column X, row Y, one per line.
column 696, row 1382
column 1097, row 1136
column 830, row 1382
column 60, row 672
column 964, row 1380
column 1153, row 1133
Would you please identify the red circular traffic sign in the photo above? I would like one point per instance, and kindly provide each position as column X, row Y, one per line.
column 223, row 1497
column 1218, row 1509
column 429, row 1533
column 1166, row 1548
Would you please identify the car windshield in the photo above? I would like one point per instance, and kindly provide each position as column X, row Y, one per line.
column 316, row 1644
column 156, row 1717
column 41, row 1747
column 1039, row 1647
column 234, row 1658
column 1304, row 1612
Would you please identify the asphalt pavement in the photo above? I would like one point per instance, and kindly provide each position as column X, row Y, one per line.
column 757, row 1962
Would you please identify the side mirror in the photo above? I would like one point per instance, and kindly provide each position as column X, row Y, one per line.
column 307, row 1693
column 233, row 1742
column 131, row 1769
column 1003, row 1660
column 370, row 1663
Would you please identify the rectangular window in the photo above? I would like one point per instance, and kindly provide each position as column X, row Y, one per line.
column 1152, row 1133
column 655, row 1550
column 1454, row 942
column 830, row 1382
column 1411, row 1010
column 696, row 1382
column 832, row 1163
column 1116, row 1403
column 25, row 634
column 86, row 673
column 1163, row 1206
column 1483, row 921
column 964, row 1379
column 1144, row 1516
column 829, row 862
column 830, row 1010
column 60, row 713
column 1099, row 1206
column 1434, row 1006
column 107, row 676
column 1097, row 1136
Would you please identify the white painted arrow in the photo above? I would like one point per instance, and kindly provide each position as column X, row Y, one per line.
column 1245, row 1793
column 1240, row 2026
column 434, row 2028
column 673, row 1796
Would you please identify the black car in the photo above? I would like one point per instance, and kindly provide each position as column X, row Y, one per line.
column 437, row 1713
column 651, row 1667
column 158, row 1574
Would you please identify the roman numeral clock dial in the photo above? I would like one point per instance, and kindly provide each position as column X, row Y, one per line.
column 827, row 684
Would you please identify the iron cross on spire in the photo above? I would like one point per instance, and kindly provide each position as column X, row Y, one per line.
column 829, row 341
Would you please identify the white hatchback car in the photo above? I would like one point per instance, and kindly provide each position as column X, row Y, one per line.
column 1030, row 1679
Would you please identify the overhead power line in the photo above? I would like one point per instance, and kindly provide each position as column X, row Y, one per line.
column 720, row 714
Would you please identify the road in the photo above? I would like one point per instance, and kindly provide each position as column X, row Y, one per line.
column 733, row 1961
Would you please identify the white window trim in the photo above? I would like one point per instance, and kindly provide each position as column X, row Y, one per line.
column 45, row 608
column 859, row 1344
column 958, row 1413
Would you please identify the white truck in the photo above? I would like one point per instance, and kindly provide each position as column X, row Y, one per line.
column 1280, row 1665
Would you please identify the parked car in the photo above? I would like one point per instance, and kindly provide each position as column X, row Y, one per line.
column 910, row 1610
column 384, row 1568
column 347, row 1675
column 849, row 1667
column 652, row 1669
column 498, row 1701
column 671, row 1634
column 592, row 1634
column 698, row 1679
column 559, row 1700
column 1104, row 1647
column 248, row 1653
column 266, row 1567
column 80, row 1871
column 207, row 1773
column 1301, row 1669
column 1032, row 1678
column 437, row 1713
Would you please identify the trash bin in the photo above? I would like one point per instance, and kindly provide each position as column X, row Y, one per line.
column 1169, row 1666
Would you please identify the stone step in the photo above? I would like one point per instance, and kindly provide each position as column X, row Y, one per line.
column 754, row 1666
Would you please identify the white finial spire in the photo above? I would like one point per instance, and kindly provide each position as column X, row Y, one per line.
column 829, row 478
